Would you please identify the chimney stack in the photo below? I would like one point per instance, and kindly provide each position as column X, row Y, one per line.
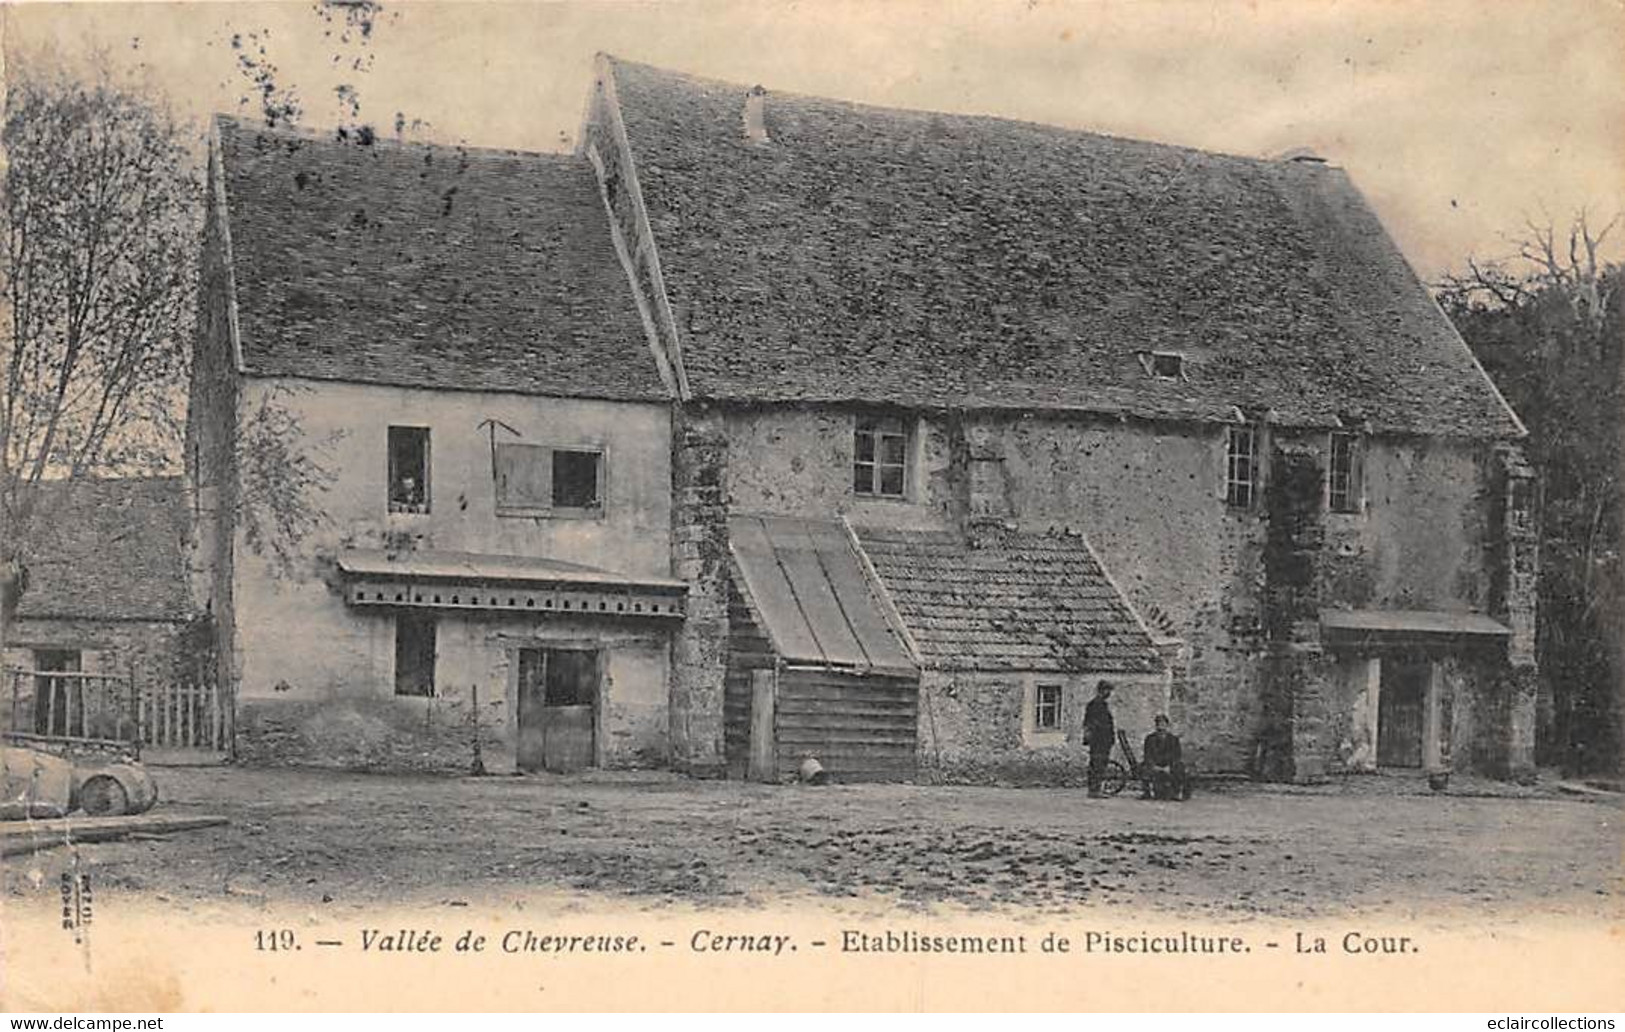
column 756, row 116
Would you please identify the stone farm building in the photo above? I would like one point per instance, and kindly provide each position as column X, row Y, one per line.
column 108, row 595
column 913, row 426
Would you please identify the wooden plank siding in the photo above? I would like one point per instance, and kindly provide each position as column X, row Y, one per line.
column 861, row 728
column 748, row 649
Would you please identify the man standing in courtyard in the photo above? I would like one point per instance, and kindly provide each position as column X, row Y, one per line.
column 1099, row 731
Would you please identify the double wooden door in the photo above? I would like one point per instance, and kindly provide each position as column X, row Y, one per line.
column 559, row 691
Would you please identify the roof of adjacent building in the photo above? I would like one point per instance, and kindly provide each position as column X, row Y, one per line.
column 428, row 266
column 1031, row 602
column 109, row 549
column 808, row 588
column 867, row 254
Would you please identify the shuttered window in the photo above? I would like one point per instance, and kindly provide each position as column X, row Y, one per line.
column 541, row 480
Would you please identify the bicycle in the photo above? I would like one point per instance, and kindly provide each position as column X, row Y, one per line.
column 1117, row 776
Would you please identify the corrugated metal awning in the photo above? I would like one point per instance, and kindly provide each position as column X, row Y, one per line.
column 1377, row 623
column 816, row 604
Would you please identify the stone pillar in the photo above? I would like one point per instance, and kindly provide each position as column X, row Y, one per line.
column 1294, row 675
column 981, row 488
column 1514, row 568
column 699, row 540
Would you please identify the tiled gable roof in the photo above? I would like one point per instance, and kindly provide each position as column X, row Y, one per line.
column 112, row 549
column 1032, row 602
column 877, row 255
column 428, row 266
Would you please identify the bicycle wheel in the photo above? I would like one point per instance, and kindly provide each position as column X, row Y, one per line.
column 1115, row 778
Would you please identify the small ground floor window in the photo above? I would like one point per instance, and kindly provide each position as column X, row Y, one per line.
column 414, row 654
column 1047, row 707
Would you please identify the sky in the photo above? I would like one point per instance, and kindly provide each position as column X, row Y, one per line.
column 1460, row 121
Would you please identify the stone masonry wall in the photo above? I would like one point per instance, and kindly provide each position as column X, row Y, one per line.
column 1506, row 741
column 1150, row 497
column 351, row 732
column 1294, row 691
column 976, row 727
column 699, row 535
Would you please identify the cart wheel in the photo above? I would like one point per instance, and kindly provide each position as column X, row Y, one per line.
column 1114, row 779
column 103, row 796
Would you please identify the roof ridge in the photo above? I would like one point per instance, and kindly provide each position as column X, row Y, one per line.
column 329, row 136
column 859, row 105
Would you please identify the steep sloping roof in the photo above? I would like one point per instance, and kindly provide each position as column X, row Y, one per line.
column 1033, row 602
column 816, row 604
column 110, row 549
column 877, row 255
column 428, row 266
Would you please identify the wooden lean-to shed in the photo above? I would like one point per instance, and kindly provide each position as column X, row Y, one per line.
column 818, row 663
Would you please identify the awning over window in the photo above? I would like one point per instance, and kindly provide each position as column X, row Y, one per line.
column 1408, row 624
column 814, row 599
column 509, row 583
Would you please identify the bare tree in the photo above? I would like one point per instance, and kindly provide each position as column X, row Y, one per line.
column 1569, row 262
column 100, row 223
column 1546, row 324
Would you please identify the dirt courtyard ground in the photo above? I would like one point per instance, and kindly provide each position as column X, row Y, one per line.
column 328, row 839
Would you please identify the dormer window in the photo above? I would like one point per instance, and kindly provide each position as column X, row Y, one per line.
column 1167, row 365
column 1164, row 365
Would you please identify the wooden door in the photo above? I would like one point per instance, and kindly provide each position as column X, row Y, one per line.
column 59, row 702
column 558, row 709
column 1400, row 703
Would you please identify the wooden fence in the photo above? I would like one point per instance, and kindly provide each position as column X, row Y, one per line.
column 70, row 704
column 70, row 707
column 186, row 716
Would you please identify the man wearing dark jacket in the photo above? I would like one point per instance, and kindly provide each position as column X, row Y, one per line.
column 1099, row 732
column 1164, row 765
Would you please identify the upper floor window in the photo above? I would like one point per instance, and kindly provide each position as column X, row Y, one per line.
column 1241, row 466
column 1344, row 489
column 408, row 469
column 542, row 480
column 880, row 457
column 1047, row 707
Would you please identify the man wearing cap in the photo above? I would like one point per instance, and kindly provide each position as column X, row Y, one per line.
column 1099, row 732
column 1164, row 766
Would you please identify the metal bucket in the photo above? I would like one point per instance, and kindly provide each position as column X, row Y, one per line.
column 812, row 772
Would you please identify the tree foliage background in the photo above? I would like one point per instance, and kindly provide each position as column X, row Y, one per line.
column 99, row 214
column 1547, row 326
